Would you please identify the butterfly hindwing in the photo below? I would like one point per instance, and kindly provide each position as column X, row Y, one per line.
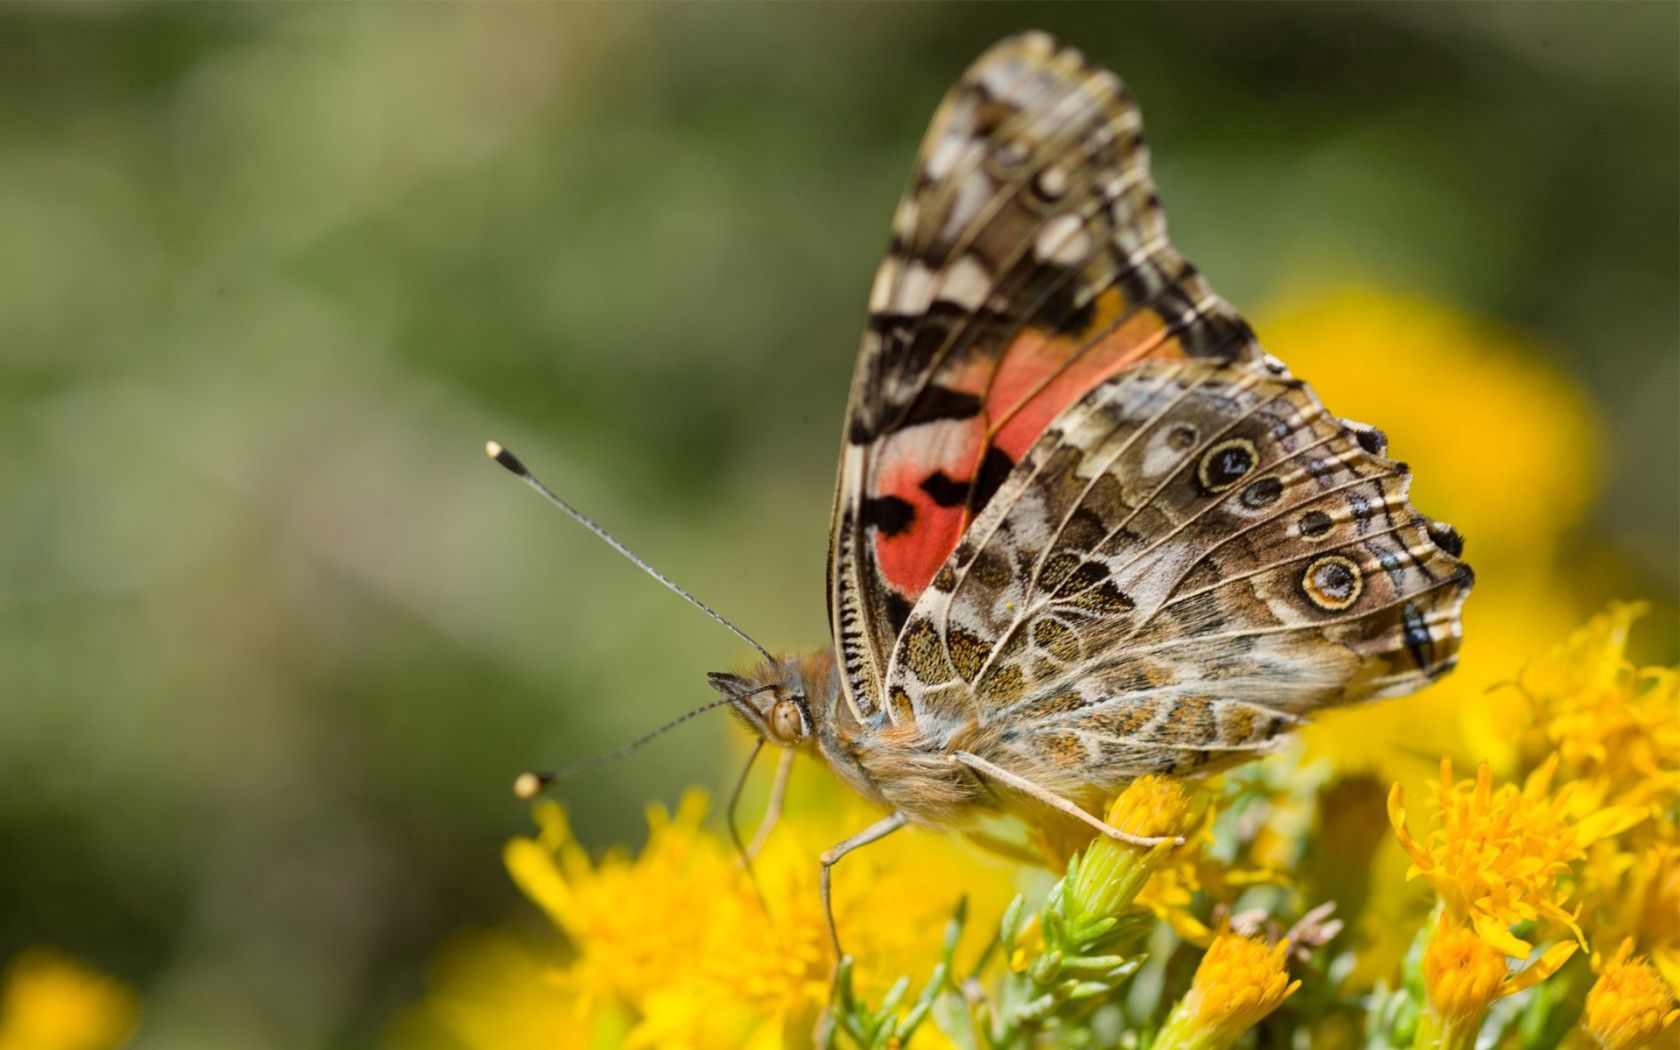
column 1029, row 263
column 1186, row 563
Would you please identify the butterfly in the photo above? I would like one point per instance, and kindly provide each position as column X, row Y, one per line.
column 1085, row 527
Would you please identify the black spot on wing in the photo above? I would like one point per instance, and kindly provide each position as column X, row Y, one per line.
column 1262, row 493
column 1446, row 537
column 1315, row 523
column 1372, row 440
column 898, row 612
column 989, row 478
column 890, row 515
column 939, row 402
column 1415, row 632
column 944, row 490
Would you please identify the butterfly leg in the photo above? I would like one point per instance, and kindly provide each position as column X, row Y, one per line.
column 773, row 812
column 735, row 804
column 878, row 830
column 1053, row 800
column 741, row 849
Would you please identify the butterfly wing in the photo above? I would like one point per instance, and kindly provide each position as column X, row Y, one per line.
column 1186, row 563
column 1029, row 263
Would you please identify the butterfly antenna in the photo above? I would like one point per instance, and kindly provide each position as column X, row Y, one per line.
column 519, row 470
column 530, row 785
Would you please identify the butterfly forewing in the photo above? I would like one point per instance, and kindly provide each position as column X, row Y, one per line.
column 1029, row 263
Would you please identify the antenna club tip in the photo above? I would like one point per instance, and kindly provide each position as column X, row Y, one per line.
column 528, row 786
column 497, row 452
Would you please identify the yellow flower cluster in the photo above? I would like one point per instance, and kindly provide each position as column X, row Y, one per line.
column 1612, row 725
column 1629, row 1005
column 1615, row 729
column 676, row 948
column 1502, row 856
column 1494, row 856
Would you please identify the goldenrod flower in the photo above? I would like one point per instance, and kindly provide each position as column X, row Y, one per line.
column 1611, row 723
column 1494, row 857
column 673, row 947
column 1238, row 982
column 52, row 1002
column 1112, row 872
column 1629, row 1005
column 1463, row 975
column 1630, row 888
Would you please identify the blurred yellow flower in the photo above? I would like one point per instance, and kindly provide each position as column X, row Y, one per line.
column 1463, row 975
column 488, row 990
column 1238, row 982
column 1494, row 857
column 1629, row 1005
column 50, row 1001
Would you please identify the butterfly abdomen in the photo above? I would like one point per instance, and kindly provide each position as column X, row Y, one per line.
column 918, row 776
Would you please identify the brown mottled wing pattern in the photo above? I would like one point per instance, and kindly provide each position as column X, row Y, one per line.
column 1029, row 263
column 1186, row 563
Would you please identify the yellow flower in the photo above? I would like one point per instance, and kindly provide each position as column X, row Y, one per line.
column 1609, row 722
column 52, row 1002
column 1494, row 857
column 1629, row 1005
column 673, row 947
column 1630, row 888
column 1463, row 975
column 1656, row 890
column 1111, row 873
column 1238, row 982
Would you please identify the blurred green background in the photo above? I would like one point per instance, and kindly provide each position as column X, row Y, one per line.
column 274, row 637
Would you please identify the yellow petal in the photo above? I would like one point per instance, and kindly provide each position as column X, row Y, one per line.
column 533, row 870
column 1541, row 968
column 1499, row 936
column 1612, row 820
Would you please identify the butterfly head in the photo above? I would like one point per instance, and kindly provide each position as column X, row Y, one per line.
column 774, row 698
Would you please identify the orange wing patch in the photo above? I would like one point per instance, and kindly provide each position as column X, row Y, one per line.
column 927, row 493
column 1043, row 373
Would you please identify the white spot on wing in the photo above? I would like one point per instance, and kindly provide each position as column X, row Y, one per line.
column 880, row 293
column 1063, row 241
column 967, row 283
column 944, row 156
column 915, row 291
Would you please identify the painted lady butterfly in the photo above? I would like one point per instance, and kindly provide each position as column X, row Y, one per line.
column 1085, row 527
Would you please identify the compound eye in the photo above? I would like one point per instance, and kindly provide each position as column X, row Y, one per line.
column 787, row 726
